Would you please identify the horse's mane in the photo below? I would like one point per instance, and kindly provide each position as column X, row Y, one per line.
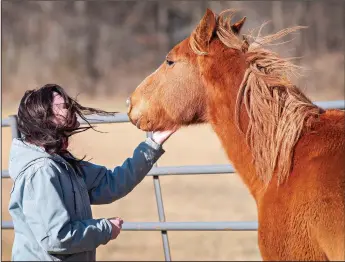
column 278, row 111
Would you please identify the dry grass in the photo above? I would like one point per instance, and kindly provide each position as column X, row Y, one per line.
column 186, row 198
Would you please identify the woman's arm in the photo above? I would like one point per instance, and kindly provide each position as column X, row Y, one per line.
column 106, row 186
column 48, row 217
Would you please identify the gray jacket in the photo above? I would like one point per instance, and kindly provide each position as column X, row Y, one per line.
column 51, row 205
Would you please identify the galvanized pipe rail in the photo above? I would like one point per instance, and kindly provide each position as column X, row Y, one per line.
column 156, row 171
column 179, row 226
column 123, row 118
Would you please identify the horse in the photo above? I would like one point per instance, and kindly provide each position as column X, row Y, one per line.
column 288, row 151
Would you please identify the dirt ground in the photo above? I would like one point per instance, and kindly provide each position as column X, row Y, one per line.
column 186, row 198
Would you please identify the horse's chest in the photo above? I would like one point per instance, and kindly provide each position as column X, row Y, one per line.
column 284, row 234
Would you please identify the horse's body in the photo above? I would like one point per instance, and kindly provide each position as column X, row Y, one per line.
column 288, row 152
column 303, row 219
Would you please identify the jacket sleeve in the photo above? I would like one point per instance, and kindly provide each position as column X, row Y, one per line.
column 105, row 186
column 49, row 218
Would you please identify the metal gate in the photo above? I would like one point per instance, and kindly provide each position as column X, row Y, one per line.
column 155, row 172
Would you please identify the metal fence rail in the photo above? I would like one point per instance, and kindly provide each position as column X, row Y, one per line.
column 180, row 170
column 179, row 226
column 123, row 118
column 155, row 172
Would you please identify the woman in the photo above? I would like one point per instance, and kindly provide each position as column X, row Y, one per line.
column 53, row 190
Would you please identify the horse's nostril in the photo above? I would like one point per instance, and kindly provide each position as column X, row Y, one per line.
column 128, row 102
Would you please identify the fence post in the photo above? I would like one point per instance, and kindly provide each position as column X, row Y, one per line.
column 160, row 207
column 14, row 126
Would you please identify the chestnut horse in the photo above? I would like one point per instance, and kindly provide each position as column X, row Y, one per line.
column 289, row 152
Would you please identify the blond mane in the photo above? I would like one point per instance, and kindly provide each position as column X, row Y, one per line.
column 278, row 111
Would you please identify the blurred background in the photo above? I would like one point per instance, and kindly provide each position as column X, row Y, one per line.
column 101, row 50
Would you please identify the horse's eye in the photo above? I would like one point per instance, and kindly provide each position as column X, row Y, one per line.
column 169, row 62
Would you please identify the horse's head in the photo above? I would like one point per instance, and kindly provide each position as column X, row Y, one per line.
column 175, row 94
column 215, row 76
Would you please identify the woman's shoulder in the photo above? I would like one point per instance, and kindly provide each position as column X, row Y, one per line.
column 46, row 166
column 26, row 159
column 39, row 172
column 50, row 166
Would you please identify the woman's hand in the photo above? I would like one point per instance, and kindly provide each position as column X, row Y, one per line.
column 161, row 136
column 116, row 224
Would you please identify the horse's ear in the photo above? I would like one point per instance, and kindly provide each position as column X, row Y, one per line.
column 236, row 27
column 204, row 31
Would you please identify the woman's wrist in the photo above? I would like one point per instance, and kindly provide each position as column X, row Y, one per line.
column 161, row 136
column 152, row 143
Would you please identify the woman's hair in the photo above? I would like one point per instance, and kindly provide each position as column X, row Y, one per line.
column 36, row 120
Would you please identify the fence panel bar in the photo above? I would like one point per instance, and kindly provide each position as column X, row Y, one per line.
column 334, row 104
column 179, row 226
column 123, row 117
column 180, row 170
column 161, row 214
column 13, row 122
column 192, row 170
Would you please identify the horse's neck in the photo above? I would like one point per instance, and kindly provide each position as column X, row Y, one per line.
column 221, row 114
column 235, row 146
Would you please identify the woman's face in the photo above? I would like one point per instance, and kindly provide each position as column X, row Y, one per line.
column 60, row 111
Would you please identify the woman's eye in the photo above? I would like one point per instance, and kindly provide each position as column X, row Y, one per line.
column 169, row 62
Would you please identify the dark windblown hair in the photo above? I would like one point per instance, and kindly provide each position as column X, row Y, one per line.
column 36, row 125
